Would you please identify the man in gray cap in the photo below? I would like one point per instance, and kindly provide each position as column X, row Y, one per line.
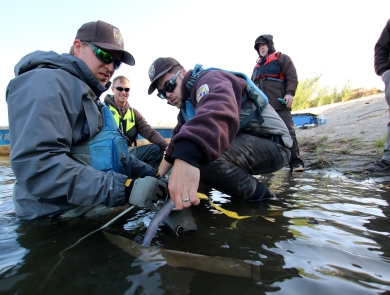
column 221, row 137
column 67, row 154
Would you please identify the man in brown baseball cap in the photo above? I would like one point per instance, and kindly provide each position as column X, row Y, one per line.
column 76, row 147
column 105, row 36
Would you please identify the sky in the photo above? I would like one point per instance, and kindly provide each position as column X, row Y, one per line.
column 334, row 39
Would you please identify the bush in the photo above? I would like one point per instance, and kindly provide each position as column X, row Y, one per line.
column 311, row 94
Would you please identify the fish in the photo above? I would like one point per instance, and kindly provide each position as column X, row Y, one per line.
column 156, row 221
column 212, row 264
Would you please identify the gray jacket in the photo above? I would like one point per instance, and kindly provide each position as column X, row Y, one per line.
column 46, row 113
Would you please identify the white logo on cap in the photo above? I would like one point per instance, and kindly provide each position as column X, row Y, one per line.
column 118, row 37
column 152, row 71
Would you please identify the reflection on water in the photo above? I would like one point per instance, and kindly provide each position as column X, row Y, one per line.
column 325, row 234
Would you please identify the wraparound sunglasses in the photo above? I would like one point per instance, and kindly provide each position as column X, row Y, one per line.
column 104, row 56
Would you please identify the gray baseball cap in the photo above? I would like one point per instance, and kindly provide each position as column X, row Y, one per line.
column 105, row 36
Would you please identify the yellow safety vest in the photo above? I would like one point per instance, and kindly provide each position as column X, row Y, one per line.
column 126, row 123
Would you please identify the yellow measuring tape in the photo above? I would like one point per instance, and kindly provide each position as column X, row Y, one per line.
column 226, row 212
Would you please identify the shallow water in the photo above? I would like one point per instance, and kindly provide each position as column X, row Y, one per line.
column 325, row 234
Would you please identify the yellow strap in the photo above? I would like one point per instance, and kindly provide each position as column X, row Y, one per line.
column 226, row 212
column 128, row 181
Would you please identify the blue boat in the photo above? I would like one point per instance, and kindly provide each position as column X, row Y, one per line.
column 165, row 131
column 307, row 120
column 4, row 140
column 4, row 135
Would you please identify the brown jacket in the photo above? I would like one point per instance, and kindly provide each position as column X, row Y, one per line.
column 274, row 89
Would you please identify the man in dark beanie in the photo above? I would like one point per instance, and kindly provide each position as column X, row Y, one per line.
column 67, row 154
column 276, row 76
column 216, row 139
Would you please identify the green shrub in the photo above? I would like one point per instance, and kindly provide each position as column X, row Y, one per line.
column 310, row 93
column 380, row 144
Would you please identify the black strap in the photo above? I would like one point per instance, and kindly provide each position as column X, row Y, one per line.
column 273, row 79
column 190, row 84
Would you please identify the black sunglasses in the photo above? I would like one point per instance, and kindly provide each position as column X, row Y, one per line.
column 104, row 56
column 169, row 86
column 120, row 89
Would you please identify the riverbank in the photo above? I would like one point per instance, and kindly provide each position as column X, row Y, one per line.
column 346, row 142
column 4, row 150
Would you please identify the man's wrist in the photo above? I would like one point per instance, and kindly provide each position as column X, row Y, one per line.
column 189, row 152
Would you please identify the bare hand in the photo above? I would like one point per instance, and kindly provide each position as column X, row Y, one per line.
column 183, row 184
column 289, row 100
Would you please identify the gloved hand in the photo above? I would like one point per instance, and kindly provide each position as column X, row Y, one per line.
column 143, row 192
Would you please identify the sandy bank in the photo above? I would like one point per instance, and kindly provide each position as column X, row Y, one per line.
column 346, row 142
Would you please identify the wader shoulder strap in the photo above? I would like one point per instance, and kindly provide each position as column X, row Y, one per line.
column 79, row 151
column 252, row 92
column 188, row 112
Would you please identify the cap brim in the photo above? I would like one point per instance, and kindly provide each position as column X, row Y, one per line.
column 127, row 58
column 153, row 87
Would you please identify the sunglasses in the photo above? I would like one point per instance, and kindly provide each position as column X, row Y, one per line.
column 104, row 56
column 120, row 89
column 169, row 86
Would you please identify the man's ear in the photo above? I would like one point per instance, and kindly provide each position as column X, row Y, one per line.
column 183, row 73
column 77, row 47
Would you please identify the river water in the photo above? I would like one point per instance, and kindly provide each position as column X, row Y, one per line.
column 325, row 234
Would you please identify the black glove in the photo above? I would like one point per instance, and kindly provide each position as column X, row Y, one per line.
column 143, row 192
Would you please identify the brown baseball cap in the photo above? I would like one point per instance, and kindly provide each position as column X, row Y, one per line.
column 158, row 68
column 105, row 36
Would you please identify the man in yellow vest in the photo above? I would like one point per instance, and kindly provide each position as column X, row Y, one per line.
column 131, row 123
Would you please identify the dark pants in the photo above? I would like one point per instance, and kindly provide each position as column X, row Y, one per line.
column 151, row 154
column 248, row 155
column 295, row 159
